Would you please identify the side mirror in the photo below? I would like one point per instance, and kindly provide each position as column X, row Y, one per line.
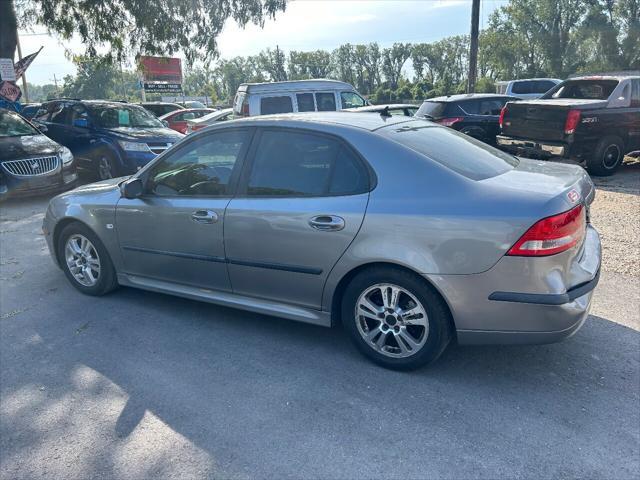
column 81, row 123
column 132, row 188
column 165, row 123
column 42, row 127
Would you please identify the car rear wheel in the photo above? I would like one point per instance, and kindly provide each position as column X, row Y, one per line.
column 395, row 318
column 607, row 157
column 106, row 168
column 85, row 261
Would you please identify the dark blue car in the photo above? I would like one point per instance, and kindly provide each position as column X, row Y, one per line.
column 111, row 139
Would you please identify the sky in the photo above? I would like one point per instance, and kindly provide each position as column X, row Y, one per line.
column 305, row 25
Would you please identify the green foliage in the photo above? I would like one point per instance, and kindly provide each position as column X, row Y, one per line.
column 485, row 85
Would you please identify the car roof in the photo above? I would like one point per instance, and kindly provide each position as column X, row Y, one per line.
column 379, row 108
column 604, row 77
column 365, row 121
column 504, row 82
column 186, row 110
column 292, row 85
column 467, row 96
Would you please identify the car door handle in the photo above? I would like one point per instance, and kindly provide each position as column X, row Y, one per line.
column 329, row 223
column 204, row 216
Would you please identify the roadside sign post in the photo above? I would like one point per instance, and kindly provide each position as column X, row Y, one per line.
column 160, row 75
column 7, row 71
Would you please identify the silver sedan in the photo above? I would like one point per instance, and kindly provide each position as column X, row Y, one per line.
column 408, row 233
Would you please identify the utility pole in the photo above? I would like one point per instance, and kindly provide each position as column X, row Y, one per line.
column 24, row 74
column 473, row 49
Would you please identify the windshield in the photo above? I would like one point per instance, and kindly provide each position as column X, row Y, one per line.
column 584, row 89
column 431, row 109
column 459, row 152
column 11, row 125
column 111, row 116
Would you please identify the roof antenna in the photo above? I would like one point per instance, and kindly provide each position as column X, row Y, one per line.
column 385, row 112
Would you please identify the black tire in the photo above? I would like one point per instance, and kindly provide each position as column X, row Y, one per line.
column 607, row 157
column 107, row 279
column 439, row 321
column 105, row 166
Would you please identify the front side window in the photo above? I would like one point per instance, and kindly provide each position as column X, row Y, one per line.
column 305, row 102
column 11, row 125
column 303, row 164
column 271, row 105
column 326, row 102
column 201, row 168
column 352, row 100
column 127, row 116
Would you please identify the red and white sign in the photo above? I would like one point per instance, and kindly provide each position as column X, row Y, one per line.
column 161, row 69
column 10, row 91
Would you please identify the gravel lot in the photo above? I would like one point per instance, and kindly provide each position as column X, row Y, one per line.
column 140, row 385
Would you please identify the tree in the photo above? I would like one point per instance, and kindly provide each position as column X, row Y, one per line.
column 303, row 65
column 133, row 26
column 342, row 59
column 272, row 62
column 99, row 78
column 393, row 59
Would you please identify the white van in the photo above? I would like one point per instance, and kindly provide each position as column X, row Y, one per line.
column 527, row 87
column 295, row 96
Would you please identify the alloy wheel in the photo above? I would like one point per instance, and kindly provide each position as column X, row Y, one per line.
column 104, row 169
column 391, row 320
column 611, row 156
column 82, row 260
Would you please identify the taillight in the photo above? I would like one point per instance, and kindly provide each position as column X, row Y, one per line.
column 245, row 109
column 570, row 124
column 502, row 114
column 449, row 122
column 552, row 235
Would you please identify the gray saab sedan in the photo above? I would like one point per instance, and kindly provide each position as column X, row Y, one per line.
column 408, row 233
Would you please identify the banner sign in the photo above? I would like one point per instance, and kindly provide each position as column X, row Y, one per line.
column 161, row 69
column 162, row 87
column 7, row 71
column 22, row 65
column 10, row 91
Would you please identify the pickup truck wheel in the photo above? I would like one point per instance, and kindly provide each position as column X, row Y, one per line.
column 607, row 156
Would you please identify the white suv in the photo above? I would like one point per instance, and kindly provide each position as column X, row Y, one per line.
column 295, row 96
column 527, row 87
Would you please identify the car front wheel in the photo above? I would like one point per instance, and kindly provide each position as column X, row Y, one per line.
column 395, row 318
column 85, row 261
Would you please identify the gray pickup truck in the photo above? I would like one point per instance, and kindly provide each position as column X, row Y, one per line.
column 594, row 120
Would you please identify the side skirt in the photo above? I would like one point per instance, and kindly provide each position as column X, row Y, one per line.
column 242, row 302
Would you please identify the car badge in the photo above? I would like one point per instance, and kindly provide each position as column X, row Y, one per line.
column 573, row 196
column 35, row 166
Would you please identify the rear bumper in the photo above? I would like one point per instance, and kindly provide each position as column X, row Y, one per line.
column 524, row 146
column 525, row 300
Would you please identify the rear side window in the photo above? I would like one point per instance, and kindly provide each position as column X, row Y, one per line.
column 635, row 92
column 432, row 109
column 458, row 152
column 471, row 107
column 326, row 102
column 522, row 87
column 305, row 102
column 271, row 105
column 300, row 164
column 492, row 106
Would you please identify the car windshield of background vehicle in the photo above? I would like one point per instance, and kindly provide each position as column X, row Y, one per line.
column 352, row 100
column 123, row 117
column 13, row 126
column 459, row 152
column 586, row 89
column 431, row 109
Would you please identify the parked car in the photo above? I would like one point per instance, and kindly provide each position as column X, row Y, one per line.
column 408, row 233
column 295, row 96
column 30, row 162
column 210, row 119
column 594, row 120
column 401, row 109
column 192, row 104
column 161, row 108
column 110, row 139
column 177, row 120
column 29, row 110
column 527, row 87
column 476, row 115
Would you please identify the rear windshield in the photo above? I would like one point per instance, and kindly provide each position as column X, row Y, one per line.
column 459, row 152
column 432, row 109
column 584, row 89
